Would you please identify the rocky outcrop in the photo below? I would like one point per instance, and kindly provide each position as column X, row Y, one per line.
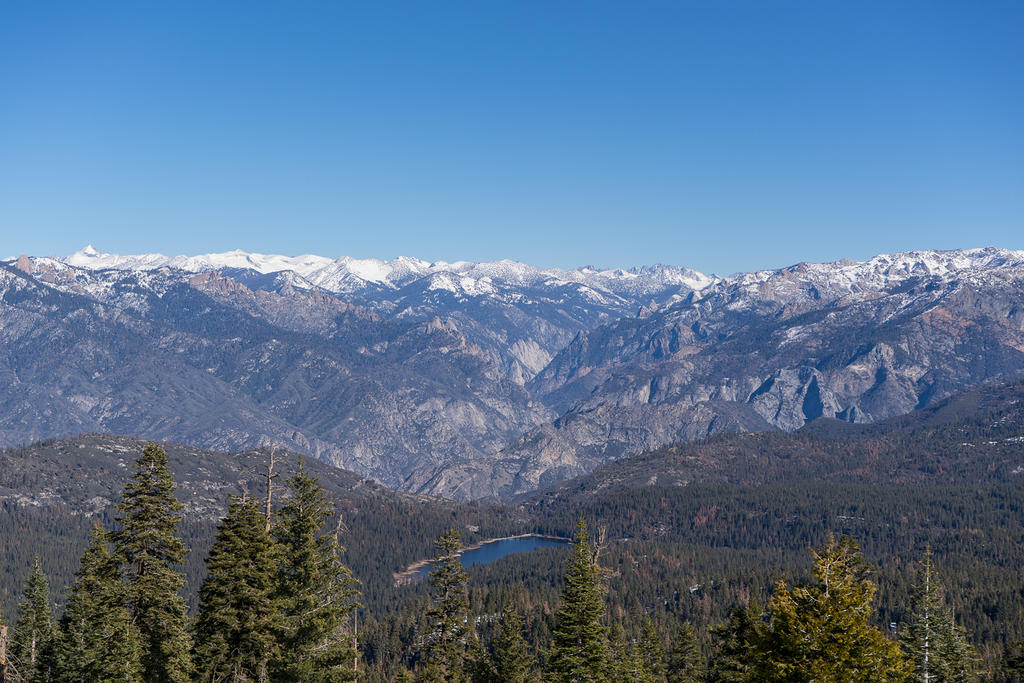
column 796, row 347
column 487, row 380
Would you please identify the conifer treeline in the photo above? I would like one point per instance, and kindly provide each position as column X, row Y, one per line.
column 279, row 604
column 276, row 604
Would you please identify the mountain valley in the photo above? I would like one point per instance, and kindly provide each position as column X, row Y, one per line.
column 488, row 380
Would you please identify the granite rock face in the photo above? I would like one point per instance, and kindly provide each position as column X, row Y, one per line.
column 769, row 351
column 488, row 380
column 391, row 379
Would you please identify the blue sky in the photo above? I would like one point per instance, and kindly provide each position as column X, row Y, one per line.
column 721, row 135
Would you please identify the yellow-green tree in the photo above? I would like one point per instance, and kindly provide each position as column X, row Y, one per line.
column 821, row 631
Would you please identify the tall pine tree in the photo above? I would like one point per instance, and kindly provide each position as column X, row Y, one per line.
column 151, row 553
column 822, row 631
column 579, row 652
column 236, row 627
column 734, row 646
column 448, row 616
column 652, row 651
column 513, row 661
column 624, row 663
column 316, row 592
column 685, row 661
column 32, row 644
column 97, row 641
column 931, row 638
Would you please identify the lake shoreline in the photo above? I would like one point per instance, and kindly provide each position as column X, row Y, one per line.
column 409, row 574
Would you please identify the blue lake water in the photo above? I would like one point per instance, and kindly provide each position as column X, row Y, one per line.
column 494, row 550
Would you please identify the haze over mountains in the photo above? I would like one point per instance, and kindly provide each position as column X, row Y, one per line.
column 481, row 380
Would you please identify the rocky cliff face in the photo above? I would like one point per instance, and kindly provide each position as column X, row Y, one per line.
column 770, row 351
column 487, row 380
column 391, row 379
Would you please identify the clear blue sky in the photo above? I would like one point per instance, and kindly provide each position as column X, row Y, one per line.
column 722, row 135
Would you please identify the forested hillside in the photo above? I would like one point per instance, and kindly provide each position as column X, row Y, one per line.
column 687, row 534
column 52, row 492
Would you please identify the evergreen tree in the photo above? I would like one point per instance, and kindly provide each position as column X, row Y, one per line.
column 685, row 661
column 822, row 631
column 32, row 644
column 734, row 646
column 619, row 666
column 625, row 658
column 931, row 638
column 316, row 592
column 513, row 661
column 151, row 552
column 479, row 667
column 97, row 640
column 235, row 629
column 579, row 652
column 449, row 614
column 403, row 676
column 1011, row 670
column 652, row 651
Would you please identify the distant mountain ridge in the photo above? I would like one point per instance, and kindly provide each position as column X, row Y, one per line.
column 346, row 274
column 492, row 379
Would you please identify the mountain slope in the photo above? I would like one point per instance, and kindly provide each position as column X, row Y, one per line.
column 971, row 439
column 52, row 492
column 487, row 380
column 774, row 350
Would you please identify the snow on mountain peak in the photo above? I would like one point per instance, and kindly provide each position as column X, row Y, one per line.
column 347, row 274
column 882, row 270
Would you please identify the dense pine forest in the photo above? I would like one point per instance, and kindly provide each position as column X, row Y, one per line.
column 278, row 602
column 841, row 552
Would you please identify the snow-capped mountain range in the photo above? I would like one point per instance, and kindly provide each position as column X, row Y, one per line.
column 487, row 379
column 346, row 274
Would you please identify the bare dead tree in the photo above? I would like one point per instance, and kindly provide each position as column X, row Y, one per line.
column 599, row 544
column 271, row 476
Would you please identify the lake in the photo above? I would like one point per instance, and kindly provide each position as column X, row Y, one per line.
column 496, row 549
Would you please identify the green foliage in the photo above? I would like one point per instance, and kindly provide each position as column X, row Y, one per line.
column 98, row 641
column 32, row 643
column 1012, row 668
column 652, row 651
column 735, row 646
column 403, row 676
column 685, row 660
column 822, row 631
column 623, row 662
column 315, row 591
column 931, row 639
column 151, row 552
column 513, row 661
column 235, row 629
column 448, row 616
column 579, row 652
column 677, row 554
